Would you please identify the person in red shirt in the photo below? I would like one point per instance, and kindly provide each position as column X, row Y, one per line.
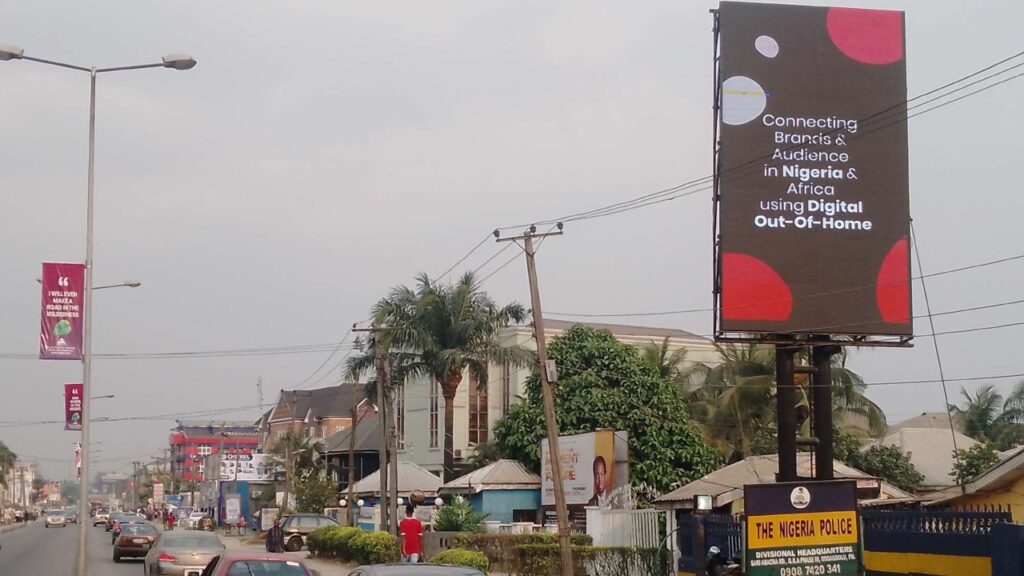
column 412, row 532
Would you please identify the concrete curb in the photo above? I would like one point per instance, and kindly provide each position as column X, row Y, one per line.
column 12, row 527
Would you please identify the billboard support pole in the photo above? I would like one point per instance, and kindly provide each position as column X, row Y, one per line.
column 785, row 407
column 821, row 357
column 716, row 286
column 550, row 420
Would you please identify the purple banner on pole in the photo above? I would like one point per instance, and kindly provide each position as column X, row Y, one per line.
column 62, row 314
column 73, row 406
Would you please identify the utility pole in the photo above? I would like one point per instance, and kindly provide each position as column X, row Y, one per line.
column 352, row 454
column 561, row 510
column 393, row 512
column 380, row 358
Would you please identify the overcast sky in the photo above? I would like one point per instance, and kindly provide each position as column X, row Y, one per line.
column 322, row 152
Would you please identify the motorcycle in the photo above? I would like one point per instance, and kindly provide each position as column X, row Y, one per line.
column 718, row 565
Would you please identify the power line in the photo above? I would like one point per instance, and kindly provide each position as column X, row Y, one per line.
column 675, row 192
column 229, row 353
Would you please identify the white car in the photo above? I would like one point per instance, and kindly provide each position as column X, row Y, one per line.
column 192, row 522
column 55, row 518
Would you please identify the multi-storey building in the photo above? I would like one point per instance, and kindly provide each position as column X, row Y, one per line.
column 192, row 440
column 316, row 414
column 420, row 405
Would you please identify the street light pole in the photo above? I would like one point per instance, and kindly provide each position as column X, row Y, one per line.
column 176, row 62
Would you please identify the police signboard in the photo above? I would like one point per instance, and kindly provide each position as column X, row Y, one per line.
column 802, row 529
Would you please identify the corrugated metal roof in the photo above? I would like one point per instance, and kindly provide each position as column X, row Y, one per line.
column 411, row 478
column 930, row 450
column 726, row 484
column 500, row 475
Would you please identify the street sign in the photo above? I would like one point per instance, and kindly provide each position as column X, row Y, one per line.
column 802, row 529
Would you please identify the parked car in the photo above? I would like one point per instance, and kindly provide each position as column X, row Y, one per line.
column 414, row 570
column 101, row 517
column 297, row 527
column 135, row 541
column 231, row 564
column 54, row 518
column 192, row 522
column 181, row 554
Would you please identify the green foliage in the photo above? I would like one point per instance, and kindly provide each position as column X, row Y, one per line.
column 374, row 548
column 333, row 542
column 7, row 460
column 544, row 560
column 501, row 550
column 845, row 446
column 462, row 558
column 458, row 516
column 972, row 462
column 989, row 418
column 604, row 383
column 313, row 493
column 890, row 464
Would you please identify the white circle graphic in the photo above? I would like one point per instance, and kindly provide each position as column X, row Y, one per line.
column 800, row 497
column 767, row 46
column 742, row 100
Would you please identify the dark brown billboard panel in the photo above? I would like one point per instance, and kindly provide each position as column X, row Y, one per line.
column 813, row 205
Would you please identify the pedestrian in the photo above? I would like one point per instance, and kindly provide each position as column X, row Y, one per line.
column 163, row 514
column 241, row 525
column 275, row 538
column 412, row 531
column 170, row 520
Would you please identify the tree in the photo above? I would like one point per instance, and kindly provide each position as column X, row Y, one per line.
column 313, row 493
column 972, row 462
column 604, row 383
column 458, row 516
column 484, row 454
column 298, row 457
column 448, row 331
column 890, row 464
column 672, row 364
column 7, row 460
column 981, row 413
column 735, row 403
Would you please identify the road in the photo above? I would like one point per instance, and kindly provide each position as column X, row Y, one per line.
column 51, row 551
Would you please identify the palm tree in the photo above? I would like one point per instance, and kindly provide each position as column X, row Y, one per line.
column 672, row 364
column 294, row 451
column 980, row 414
column 7, row 459
column 735, row 404
column 445, row 331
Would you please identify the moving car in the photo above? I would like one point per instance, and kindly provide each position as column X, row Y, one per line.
column 130, row 520
column 101, row 517
column 297, row 527
column 414, row 570
column 71, row 515
column 181, row 553
column 246, row 564
column 135, row 541
column 55, row 518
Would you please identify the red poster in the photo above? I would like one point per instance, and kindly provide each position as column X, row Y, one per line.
column 72, row 406
column 62, row 312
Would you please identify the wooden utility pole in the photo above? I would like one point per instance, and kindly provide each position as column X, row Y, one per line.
column 561, row 510
column 380, row 359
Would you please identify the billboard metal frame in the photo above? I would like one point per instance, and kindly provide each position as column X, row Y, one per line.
column 776, row 338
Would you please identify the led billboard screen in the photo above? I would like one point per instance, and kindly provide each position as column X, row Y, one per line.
column 813, row 210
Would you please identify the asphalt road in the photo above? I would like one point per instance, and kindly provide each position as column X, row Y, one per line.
column 35, row 550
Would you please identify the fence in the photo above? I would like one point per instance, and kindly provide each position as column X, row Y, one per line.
column 625, row 528
column 696, row 533
column 930, row 542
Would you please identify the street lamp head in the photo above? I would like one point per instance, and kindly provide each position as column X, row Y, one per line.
column 132, row 283
column 8, row 52
column 179, row 61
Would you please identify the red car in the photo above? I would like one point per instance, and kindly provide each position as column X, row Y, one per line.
column 134, row 540
column 249, row 564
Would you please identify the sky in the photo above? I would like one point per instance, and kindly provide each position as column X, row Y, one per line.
column 323, row 152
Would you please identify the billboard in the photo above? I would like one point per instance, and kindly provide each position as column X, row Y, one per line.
column 794, row 528
column 73, row 406
column 62, row 312
column 248, row 467
column 813, row 208
column 591, row 471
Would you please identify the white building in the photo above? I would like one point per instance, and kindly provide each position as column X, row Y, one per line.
column 420, row 405
column 19, row 484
